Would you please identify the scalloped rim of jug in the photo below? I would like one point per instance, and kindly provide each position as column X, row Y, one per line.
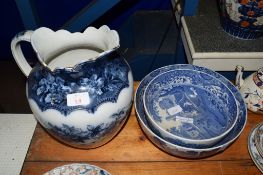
column 103, row 28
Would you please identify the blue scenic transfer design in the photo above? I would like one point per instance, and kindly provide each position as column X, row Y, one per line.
column 176, row 147
column 190, row 104
column 102, row 79
column 92, row 133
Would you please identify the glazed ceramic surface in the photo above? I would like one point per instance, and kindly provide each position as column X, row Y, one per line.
column 82, row 89
column 190, row 106
column 77, row 169
column 184, row 150
column 251, row 89
column 256, row 157
column 242, row 18
column 258, row 136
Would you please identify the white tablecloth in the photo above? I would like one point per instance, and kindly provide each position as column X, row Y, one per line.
column 16, row 131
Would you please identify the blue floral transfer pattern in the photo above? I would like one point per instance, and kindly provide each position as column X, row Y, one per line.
column 94, row 133
column 102, row 79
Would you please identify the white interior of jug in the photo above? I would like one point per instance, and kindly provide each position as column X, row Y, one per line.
column 70, row 58
column 62, row 49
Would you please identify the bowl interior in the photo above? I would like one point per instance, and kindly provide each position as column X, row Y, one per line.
column 235, row 132
column 190, row 104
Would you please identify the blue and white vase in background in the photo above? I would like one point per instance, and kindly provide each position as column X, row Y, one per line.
column 242, row 18
column 81, row 90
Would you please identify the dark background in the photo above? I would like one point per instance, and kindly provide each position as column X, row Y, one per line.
column 53, row 14
column 147, row 29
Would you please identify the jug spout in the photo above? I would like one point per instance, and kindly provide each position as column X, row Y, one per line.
column 239, row 77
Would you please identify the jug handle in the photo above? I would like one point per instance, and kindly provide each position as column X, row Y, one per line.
column 17, row 51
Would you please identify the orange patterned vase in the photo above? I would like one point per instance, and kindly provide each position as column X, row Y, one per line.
column 242, row 18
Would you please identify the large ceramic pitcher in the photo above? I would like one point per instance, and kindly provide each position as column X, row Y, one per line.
column 81, row 90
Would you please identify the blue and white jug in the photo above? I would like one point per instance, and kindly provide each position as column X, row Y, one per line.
column 81, row 90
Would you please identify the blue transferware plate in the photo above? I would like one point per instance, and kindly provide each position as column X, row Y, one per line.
column 259, row 139
column 190, row 106
column 185, row 150
column 77, row 169
column 252, row 149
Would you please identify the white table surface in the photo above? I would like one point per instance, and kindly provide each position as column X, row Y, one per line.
column 16, row 131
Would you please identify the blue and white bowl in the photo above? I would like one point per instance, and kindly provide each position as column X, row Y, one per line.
column 190, row 107
column 186, row 150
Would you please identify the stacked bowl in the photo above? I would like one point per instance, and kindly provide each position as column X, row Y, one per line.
column 189, row 111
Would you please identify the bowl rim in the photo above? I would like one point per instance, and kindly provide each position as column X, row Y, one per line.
column 183, row 147
column 188, row 140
